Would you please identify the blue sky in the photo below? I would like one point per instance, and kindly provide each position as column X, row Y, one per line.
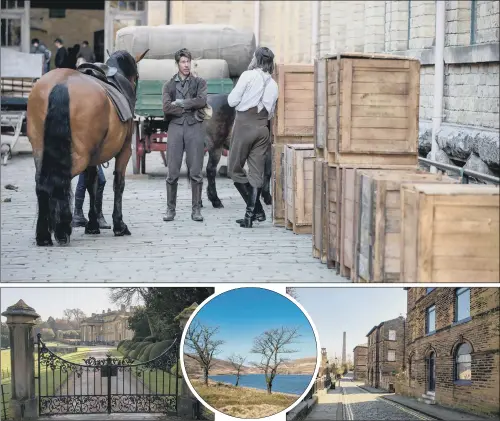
column 353, row 310
column 53, row 301
column 245, row 313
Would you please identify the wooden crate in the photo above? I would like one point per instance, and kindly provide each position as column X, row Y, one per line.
column 299, row 169
column 367, row 109
column 278, row 205
column 294, row 116
column 378, row 224
column 341, row 212
column 319, row 222
column 449, row 233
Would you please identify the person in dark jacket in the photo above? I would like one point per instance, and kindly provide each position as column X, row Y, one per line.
column 184, row 96
column 86, row 53
column 61, row 60
column 39, row 48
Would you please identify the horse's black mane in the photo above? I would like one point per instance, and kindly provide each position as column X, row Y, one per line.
column 124, row 62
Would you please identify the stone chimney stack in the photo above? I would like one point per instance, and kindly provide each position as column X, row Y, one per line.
column 344, row 349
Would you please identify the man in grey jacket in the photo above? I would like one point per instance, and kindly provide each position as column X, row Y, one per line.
column 184, row 96
column 38, row 48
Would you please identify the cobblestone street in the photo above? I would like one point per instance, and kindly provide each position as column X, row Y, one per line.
column 216, row 250
column 359, row 404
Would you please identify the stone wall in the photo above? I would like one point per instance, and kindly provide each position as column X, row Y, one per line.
column 481, row 331
column 360, row 356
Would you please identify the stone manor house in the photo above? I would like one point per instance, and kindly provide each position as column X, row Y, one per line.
column 302, row 31
column 110, row 327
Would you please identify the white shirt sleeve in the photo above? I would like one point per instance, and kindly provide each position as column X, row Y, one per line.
column 236, row 94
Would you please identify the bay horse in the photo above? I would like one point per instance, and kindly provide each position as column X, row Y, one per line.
column 73, row 126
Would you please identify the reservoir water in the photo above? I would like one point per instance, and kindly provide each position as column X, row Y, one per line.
column 292, row 383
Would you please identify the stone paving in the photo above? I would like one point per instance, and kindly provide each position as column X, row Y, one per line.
column 328, row 407
column 216, row 250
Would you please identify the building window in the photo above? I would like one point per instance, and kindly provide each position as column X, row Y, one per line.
column 11, row 32
column 429, row 290
column 12, row 4
column 430, row 320
column 392, row 335
column 462, row 304
column 391, row 355
column 473, row 21
column 131, row 6
column 57, row 13
column 463, row 362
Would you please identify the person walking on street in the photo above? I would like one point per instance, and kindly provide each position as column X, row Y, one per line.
column 79, row 219
column 184, row 97
column 61, row 60
column 39, row 48
column 86, row 54
column 254, row 98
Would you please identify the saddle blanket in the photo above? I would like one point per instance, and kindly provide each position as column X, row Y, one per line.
column 121, row 104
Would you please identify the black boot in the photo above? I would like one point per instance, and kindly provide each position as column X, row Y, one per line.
column 244, row 190
column 98, row 207
column 253, row 198
column 79, row 219
column 196, row 189
column 171, row 202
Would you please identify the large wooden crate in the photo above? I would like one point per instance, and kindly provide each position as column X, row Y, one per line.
column 278, row 186
column 377, row 226
column 367, row 109
column 319, row 222
column 449, row 233
column 341, row 212
column 299, row 169
column 294, row 116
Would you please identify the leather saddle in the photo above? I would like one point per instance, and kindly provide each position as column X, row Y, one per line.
column 100, row 71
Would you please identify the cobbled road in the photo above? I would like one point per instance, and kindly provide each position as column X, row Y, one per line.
column 216, row 250
column 362, row 405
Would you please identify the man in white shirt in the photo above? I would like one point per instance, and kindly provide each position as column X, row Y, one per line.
column 254, row 98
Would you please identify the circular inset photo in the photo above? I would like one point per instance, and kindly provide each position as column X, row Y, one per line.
column 250, row 353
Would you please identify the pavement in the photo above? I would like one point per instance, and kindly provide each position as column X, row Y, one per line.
column 328, row 407
column 216, row 250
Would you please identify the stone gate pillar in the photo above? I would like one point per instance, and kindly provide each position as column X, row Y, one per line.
column 20, row 320
column 187, row 400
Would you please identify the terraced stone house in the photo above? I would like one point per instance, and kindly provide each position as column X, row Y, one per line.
column 453, row 347
column 360, row 359
column 386, row 353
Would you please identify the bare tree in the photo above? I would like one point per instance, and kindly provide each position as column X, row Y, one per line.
column 68, row 314
column 200, row 340
column 237, row 362
column 292, row 292
column 271, row 345
column 130, row 295
column 78, row 316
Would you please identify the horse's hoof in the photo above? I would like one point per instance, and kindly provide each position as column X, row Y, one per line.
column 44, row 242
column 217, row 204
column 92, row 230
column 62, row 240
column 123, row 230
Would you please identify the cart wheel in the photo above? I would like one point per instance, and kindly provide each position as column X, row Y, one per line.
column 135, row 150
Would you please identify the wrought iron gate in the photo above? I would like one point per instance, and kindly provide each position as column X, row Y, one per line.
column 107, row 385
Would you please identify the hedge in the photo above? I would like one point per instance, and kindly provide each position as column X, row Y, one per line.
column 159, row 348
column 152, row 339
column 146, row 352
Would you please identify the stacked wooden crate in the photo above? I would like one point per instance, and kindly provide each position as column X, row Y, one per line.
column 366, row 117
column 293, row 124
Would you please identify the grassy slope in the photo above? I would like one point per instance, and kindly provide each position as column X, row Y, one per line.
column 242, row 402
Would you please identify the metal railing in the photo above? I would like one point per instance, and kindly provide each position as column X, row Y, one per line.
column 5, row 392
column 464, row 173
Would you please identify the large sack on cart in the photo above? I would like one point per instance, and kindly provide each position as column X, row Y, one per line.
column 151, row 69
column 221, row 42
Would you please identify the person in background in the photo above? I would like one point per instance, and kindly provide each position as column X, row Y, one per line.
column 79, row 219
column 254, row 98
column 85, row 55
column 39, row 48
column 72, row 54
column 61, row 61
column 184, row 96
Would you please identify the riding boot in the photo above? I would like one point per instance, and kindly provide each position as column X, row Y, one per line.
column 98, row 207
column 252, row 204
column 79, row 219
column 259, row 215
column 171, row 202
column 196, row 189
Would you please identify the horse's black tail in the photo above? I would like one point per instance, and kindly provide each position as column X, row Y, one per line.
column 55, row 172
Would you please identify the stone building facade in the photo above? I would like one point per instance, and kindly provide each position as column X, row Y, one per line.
column 109, row 327
column 360, row 353
column 453, row 347
column 385, row 353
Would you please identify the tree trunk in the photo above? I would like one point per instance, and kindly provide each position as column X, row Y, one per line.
column 269, row 387
column 237, row 380
column 205, row 376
